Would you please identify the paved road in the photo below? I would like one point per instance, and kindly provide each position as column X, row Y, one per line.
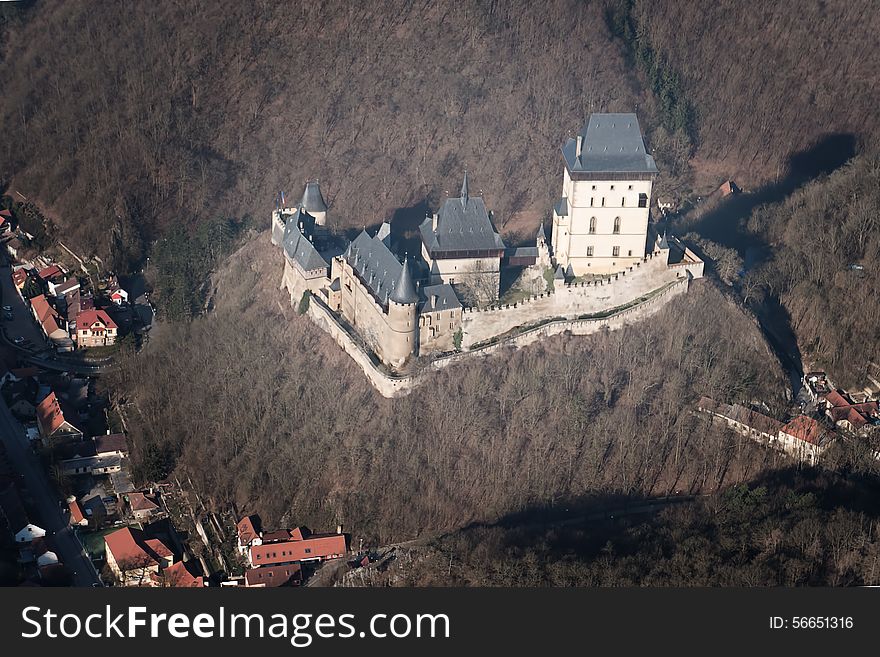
column 23, row 323
column 67, row 544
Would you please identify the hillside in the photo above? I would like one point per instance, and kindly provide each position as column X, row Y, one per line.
column 124, row 121
column 785, row 529
column 284, row 423
column 765, row 81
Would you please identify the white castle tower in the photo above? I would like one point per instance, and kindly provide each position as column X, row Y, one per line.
column 600, row 225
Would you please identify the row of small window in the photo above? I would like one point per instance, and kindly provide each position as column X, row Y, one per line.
column 615, row 230
column 283, row 554
column 615, row 251
column 643, row 200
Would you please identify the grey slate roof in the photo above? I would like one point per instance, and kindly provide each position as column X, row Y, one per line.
column 446, row 299
column 384, row 233
column 463, row 224
column 541, row 234
column 312, row 200
column 404, row 291
column 377, row 267
column 560, row 273
column 298, row 248
column 561, row 207
column 612, row 143
column 664, row 243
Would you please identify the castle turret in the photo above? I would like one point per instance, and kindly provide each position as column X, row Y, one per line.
column 313, row 202
column 402, row 317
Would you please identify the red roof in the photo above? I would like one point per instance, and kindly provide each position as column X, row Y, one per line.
column 140, row 502
column 76, row 512
column 6, row 213
column 89, row 318
column 836, row 399
column 805, row 428
column 291, row 574
column 317, row 547
column 129, row 548
column 41, row 307
column 247, row 530
column 49, row 415
column 19, row 276
column 178, row 576
column 50, row 272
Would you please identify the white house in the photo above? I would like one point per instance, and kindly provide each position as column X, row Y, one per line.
column 600, row 224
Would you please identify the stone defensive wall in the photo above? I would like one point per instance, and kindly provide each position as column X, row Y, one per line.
column 570, row 301
column 635, row 309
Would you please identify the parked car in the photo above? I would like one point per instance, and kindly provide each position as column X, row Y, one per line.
column 7, row 308
column 18, row 340
column 7, row 315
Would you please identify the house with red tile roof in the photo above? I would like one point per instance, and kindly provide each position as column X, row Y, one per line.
column 805, row 438
column 849, row 415
column 94, row 328
column 50, row 273
column 317, row 547
column 51, row 423
column 287, row 546
column 274, row 576
column 19, row 277
column 77, row 515
column 141, row 506
column 178, row 576
column 135, row 559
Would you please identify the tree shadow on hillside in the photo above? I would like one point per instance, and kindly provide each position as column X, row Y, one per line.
column 584, row 527
column 725, row 223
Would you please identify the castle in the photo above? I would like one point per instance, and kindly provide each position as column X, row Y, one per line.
column 447, row 300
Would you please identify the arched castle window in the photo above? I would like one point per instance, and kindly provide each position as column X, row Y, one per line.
column 592, row 225
column 616, row 225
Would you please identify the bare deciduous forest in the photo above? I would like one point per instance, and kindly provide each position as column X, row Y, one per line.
column 825, row 266
column 140, row 116
column 767, row 79
column 262, row 410
column 182, row 119
column 787, row 529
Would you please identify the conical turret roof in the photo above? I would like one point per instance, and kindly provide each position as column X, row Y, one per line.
column 404, row 290
column 312, row 199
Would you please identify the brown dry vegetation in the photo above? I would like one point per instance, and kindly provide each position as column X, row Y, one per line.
column 820, row 233
column 131, row 117
column 768, row 79
column 265, row 413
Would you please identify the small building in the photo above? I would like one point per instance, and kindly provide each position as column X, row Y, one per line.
column 846, row 414
column 805, row 439
column 52, row 424
column 94, row 328
column 728, row 187
column 135, row 559
column 64, row 288
column 178, row 575
column 50, row 274
column 19, row 277
column 111, row 444
column 77, row 515
column 274, row 576
column 142, row 507
column 287, row 546
column 118, row 296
